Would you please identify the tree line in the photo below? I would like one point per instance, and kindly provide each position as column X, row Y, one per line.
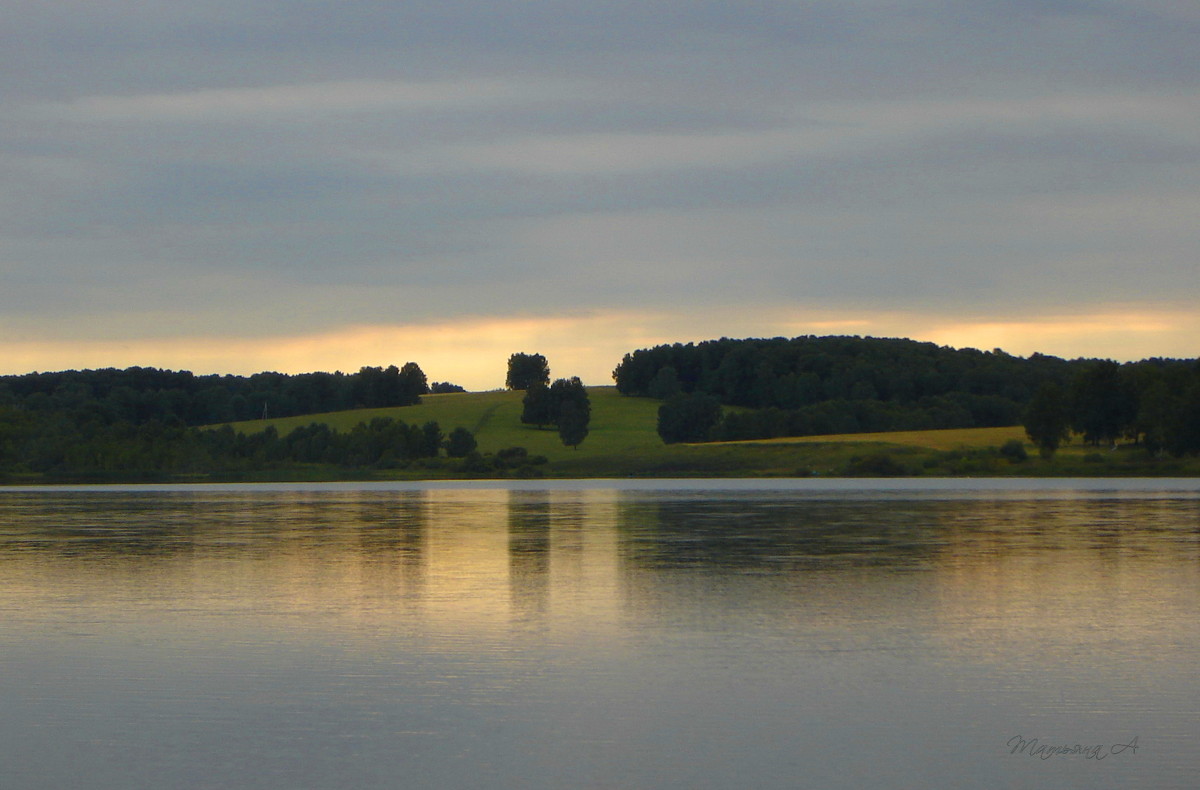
column 158, row 449
column 137, row 394
column 146, row 420
column 765, row 388
column 822, row 385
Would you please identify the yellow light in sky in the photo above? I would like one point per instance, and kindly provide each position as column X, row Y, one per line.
column 474, row 353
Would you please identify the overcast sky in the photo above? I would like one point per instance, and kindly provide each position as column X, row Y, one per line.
column 298, row 185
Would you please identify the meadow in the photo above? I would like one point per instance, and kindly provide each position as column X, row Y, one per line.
column 623, row 442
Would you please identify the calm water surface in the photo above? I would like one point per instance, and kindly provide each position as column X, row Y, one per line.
column 708, row 634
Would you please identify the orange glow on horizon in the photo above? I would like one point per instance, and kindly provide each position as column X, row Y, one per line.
column 474, row 353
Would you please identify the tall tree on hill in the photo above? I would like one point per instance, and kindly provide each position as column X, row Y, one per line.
column 544, row 405
column 537, row 408
column 573, row 419
column 526, row 370
column 413, row 383
column 568, row 391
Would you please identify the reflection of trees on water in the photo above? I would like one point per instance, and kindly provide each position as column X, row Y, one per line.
column 1066, row 577
column 776, row 534
column 547, row 550
column 529, row 517
column 785, row 533
column 164, row 524
column 472, row 557
column 303, row 550
column 995, row 579
column 111, row 525
column 392, row 534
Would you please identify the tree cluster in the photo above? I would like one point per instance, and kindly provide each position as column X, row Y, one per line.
column 155, row 448
column 791, row 373
column 831, row 385
column 1154, row 402
column 814, row 385
column 508, row 461
column 143, row 420
column 688, row 417
column 564, row 405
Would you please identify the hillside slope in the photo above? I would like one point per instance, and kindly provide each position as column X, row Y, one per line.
column 620, row 426
column 623, row 442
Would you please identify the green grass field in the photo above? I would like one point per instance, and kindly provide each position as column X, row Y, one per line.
column 619, row 425
column 623, row 442
column 951, row 439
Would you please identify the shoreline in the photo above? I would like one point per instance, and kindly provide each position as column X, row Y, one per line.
column 884, row 485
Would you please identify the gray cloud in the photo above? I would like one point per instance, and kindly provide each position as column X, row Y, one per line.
column 262, row 169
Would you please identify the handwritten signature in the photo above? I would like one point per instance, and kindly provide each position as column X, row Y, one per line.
column 1044, row 751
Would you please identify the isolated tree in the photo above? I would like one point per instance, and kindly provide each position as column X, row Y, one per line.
column 1046, row 420
column 573, row 419
column 526, row 370
column 572, row 409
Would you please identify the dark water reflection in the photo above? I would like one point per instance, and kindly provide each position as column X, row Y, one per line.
column 596, row 637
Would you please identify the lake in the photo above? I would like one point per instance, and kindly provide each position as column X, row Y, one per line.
column 602, row 634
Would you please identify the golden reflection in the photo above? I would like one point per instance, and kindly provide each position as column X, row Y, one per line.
column 1058, row 577
column 529, row 519
column 987, row 580
column 454, row 561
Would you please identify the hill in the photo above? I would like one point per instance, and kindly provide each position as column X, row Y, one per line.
column 622, row 428
column 852, row 406
column 623, row 442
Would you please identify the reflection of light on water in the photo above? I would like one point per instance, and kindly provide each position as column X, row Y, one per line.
column 454, row 561
column 1055, row 579
column 888, row 640
column 990, row 578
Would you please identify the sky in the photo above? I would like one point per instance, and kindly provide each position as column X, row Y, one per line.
column 300, row 185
